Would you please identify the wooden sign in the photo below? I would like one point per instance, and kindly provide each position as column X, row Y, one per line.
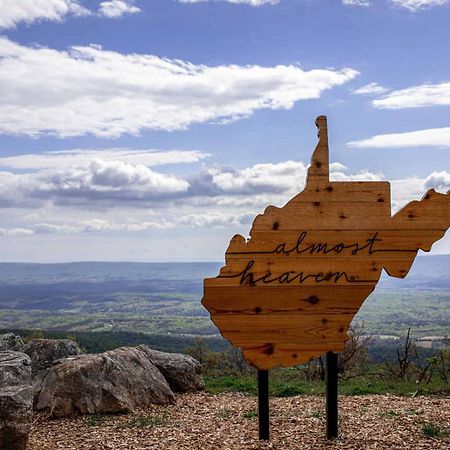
column 289, row 293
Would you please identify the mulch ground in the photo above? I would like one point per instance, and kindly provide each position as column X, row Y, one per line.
column 228, row 421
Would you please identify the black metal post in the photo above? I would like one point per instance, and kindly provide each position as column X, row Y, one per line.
column 332, row 395
column 263, row 404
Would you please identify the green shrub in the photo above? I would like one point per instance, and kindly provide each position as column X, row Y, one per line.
column 431, row 430
column 93, row 420
column 250, row 414
column 138, row 421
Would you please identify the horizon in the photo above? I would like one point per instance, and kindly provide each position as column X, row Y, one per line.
column 419, row 255
column 155, row 131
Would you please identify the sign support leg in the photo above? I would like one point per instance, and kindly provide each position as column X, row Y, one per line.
column 263, row 404
column 332, row 395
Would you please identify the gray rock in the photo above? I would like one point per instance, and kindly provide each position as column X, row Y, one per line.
column 15, row 369
column 182, row 372
column 119, row 380
column 44, row 352
column 10, row 341
column 16, row 400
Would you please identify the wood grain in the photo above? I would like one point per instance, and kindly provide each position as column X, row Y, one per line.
column 289, row 293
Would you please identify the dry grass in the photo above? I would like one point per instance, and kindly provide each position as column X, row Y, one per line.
column 227, row 421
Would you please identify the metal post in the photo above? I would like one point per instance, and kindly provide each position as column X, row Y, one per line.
column 263, row 404
column 332, row 395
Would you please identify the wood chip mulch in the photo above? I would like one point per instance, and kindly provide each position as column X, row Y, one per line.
column 229, row 422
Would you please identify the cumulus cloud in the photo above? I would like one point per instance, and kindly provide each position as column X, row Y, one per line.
column 283, row 177
column 14, row 12
column 115, row 183
column 117, row 8
column 83, row 157
column 415, row 97
column 108, row 180
column 370, row 89
column 438, row 180
column 435, row 137
column 113, row 196
column 91, row 90
column 106, row 183
column 365, row 175
column 416, row 5
column 337, row 167
column 260, row 177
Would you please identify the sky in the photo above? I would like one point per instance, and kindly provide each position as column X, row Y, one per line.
column 156, row 130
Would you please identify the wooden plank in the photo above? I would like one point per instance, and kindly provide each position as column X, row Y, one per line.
column 306, row 329
column 327, row 242
column 314, row 299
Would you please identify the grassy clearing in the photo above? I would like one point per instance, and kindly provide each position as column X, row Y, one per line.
column 283, row 384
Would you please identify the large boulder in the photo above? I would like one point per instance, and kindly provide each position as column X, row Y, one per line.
column 182, row 372
column 10, row 341
column 119, row 380
column 44, row 353
column 16, row 400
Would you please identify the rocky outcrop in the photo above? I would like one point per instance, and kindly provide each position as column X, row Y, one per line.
column 44, row 352
column 16, row 400
column 10, row 341
column 182, row 372
column 115, row 381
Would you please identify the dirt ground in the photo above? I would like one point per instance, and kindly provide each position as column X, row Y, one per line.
column 228, row 421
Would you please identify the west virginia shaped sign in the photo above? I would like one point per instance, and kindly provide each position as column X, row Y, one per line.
column 289, row 293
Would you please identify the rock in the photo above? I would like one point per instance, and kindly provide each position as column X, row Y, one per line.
column 119, row 380
column 16, row 400
column 182, row 372
column 44, row 352
column 10, row 341
column 15, row 369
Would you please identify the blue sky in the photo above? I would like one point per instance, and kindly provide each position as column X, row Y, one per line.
column 156, row 130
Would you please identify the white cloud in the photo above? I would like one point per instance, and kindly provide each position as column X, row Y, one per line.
column 260, row 177
column 97, row 225
column 370, row 89
column 416, row 5
column 91, row 90
column 117, row 8
column 107, row 183
column 415, row 97
column 14, row 232
column 118, row 210
column 109, row 180
column 438, row 180
column 240, row 2
column 82, row 158
column 284, row 177
column 14, row 12
column 217, row 219
column 364, row 175
column 337, row 167
column 356, row 2
column 436, row 137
